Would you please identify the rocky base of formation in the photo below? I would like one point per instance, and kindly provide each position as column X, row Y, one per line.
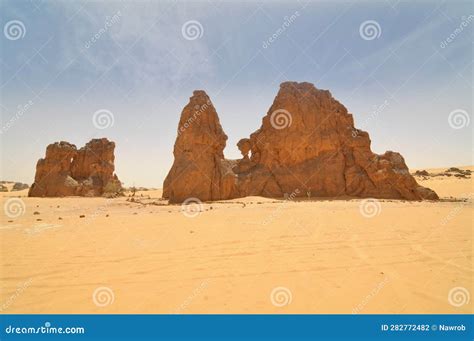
column 307, row 146
column 68, row 171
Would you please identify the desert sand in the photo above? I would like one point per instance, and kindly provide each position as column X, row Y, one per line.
column 250, row 255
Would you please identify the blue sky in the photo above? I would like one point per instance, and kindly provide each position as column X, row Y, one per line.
column 400, row 86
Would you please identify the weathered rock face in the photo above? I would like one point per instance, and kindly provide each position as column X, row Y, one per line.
column 199, row 169
column 66, row 171
column 307, row 146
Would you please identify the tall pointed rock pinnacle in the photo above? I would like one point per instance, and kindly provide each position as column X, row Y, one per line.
column 199, row 169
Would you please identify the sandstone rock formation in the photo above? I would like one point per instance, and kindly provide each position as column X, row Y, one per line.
column 199, row 169
column 66, row 171
column 307, row 145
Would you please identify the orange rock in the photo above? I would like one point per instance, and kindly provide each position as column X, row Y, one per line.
column 66, row 171
column 307, row 145
column 199, row 169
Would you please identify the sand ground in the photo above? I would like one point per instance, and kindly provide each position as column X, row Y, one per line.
column 251, row 255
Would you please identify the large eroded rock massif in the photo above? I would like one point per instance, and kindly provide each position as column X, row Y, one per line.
column 307, row 146
column 67, row 171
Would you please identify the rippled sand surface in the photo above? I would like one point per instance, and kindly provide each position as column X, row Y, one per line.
column 251, row 255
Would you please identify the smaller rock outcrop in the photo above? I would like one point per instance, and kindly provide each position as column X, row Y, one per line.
column 422, row 173
column 18, row 186
column 67, row 171
column 450, row 172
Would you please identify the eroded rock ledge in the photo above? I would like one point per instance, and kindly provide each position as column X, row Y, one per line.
column 307, row 146
column 67, row 171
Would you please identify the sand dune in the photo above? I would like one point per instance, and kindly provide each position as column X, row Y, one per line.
column 250, row 255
